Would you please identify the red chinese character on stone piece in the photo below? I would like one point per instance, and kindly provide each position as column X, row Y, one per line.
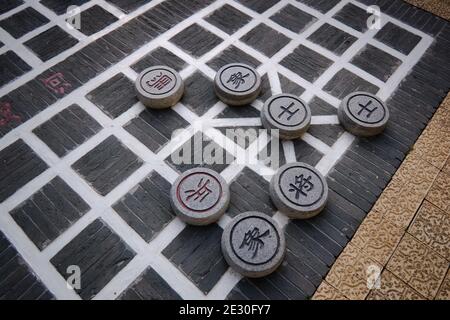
column 57, row 83
column 7, row 115
column 159, row 81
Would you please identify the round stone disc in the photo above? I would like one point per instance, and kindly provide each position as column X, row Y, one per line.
column 287, row 113
column 253, row 244
column 159, row 87
column 363, row 114
column 299, row 190
column 237, row 84
column 200, row 196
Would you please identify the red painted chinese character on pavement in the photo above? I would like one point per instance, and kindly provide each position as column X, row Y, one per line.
column 57, row 83
column 7, row 115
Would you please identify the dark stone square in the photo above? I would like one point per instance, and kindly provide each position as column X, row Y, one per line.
column 98, row 252
column 25, row 102
column 115, row 96
column 306, row 153
column 302, row 150
column 228, row 19
column 128, row 6
column 232, row 54
column 242, row 136
column 272, row 155
column 18, row 280
column 398, row 38
column 154, row 128
column 258, row 5
column 197, row 253
column 149, row 286
column 320, row 107
column 19, row 164
column 159, row 56
column 50, row 43
column 265, row 39
column 332, row 38
column 293, row 18
column 246, row 112
column 353, row 16
column 196, row 40
column 250, row 192
column 95, row 19
column 146, row 208
column 11, row 67
column 307, row 63
column 266, row 89
column 107, row 165
column 8, row 5
column 49, row 212
column 321, row 5
column 376, row 62
column 199, row 93
column 67, row 130
column 23, row 22
column 328, row 133
column 289, row 86
column 346, row 82
column 60, row 6
column 200, row 151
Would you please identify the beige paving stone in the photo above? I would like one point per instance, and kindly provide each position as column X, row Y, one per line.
column 401, row 177
column 407, row 169
column 354, row 288
column 434, row 143
column 438, row 7
column 404, row 205
column 439, row 193
column 446, row 168
column 432, row 227
column 327, row 292
column 377, row 237
column 411, row 294
column 418, row 265
column 384, row 202
column 392, row 288
column 444, row 290
column 350, row 273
